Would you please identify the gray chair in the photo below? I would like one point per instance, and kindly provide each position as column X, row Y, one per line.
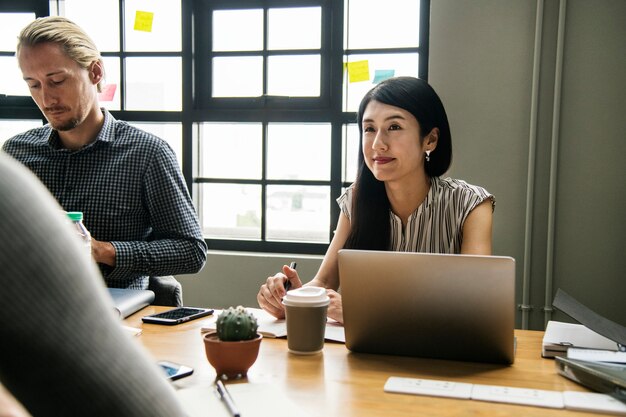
column 167, row 291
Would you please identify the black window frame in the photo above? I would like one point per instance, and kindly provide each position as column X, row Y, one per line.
column 270, row 109
column 198, row 106
column 22, row 107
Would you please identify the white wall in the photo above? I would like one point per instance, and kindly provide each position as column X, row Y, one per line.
column 234, row 278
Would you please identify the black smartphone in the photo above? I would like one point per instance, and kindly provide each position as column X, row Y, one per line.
column 174, row 370
column 177, row 315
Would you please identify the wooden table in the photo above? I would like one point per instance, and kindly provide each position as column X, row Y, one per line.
column 340, row 383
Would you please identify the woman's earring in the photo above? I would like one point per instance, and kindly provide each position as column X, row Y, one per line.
column 428, row 156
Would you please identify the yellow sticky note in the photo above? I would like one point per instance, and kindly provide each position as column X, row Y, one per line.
column 358, row 71
column 143, row 21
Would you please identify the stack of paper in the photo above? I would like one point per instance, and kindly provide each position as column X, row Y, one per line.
column 593, row 358
column 560, row 336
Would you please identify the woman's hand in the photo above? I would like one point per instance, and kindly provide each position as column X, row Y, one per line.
column 335, row 308
column 271, row 293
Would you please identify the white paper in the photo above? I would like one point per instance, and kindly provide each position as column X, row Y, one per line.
column 250, row 400
column 596, row 355
column 560, row 336
column 133, row 331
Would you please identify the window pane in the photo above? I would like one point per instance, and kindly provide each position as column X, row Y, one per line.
column 298, row 151
column 238, row 77
column 230, row 150
column 351, row 150
column 11, row 81
column 10, row 128
column 294, row 75
column 172, row 133
column 12, row 24
column 295, row 28
column 298, row 213
column 231, row 211
column 227, row 30
column 152, row 25
column 153, row 84
column 396, row 64
column 102, row 26
column 394, row 25
column 110, row 95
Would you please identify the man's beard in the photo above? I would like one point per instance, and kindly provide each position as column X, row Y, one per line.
column 62, row 126
column 65, row 126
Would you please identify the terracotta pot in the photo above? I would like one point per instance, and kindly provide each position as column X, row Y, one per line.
column 231, row 359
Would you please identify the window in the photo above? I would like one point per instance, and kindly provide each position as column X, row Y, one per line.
column 17, row 108
column 140, row 42
column 276, row 144
column 257, row 99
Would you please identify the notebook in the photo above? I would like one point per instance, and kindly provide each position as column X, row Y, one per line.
column 458, row 307
column 559, row 337
column 127, row 302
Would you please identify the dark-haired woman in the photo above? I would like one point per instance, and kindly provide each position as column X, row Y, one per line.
column 399, row 201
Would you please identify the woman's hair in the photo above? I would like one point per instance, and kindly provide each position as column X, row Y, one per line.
column 76, row 44
column 370, row 228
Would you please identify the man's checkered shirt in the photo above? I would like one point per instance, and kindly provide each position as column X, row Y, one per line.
column 130, row 188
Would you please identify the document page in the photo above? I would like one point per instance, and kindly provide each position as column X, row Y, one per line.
column 249, row 399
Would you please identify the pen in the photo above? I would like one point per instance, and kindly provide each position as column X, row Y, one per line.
column 228, row 400
column 288, row 283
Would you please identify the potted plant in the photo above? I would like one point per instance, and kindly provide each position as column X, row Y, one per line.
column 234, row 346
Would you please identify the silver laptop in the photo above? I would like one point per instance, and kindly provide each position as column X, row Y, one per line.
column 459, row 307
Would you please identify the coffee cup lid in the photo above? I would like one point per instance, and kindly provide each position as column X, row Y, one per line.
column 307, row 296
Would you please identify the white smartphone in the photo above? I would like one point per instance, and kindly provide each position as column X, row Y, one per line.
column 175, row 370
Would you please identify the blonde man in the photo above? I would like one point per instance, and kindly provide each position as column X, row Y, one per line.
column 126, row 181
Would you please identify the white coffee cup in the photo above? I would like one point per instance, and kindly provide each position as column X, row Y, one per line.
column 305, row 311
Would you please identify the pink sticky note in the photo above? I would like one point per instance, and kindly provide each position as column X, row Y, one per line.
column 108, row 92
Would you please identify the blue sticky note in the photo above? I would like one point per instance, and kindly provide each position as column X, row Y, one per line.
column 381, row 75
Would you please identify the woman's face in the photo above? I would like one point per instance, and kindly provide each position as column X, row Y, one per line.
column 392, row 148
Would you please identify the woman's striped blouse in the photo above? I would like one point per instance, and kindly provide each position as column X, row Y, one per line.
column 437, row 224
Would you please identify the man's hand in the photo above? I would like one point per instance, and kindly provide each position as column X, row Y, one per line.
column 103, row 252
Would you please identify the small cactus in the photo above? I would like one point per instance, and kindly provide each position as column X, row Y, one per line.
column 235, row 324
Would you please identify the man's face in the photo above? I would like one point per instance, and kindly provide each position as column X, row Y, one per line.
column 64, row 92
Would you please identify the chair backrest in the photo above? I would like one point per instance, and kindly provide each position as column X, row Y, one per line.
column 167, row 291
